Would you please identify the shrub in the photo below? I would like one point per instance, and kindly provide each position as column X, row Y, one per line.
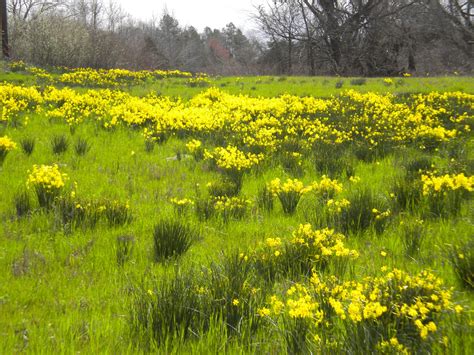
column 172, row 238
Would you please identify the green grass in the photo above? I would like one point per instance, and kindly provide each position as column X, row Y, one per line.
column 64, row 291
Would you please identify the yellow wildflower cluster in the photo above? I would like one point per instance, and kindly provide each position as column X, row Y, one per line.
column 289, row 186
column 46, row 177
column 433, row 185
column 307, row 247
column 231, row 207
column 392, row 346
column 181, row 202
column 298, row 304
column 327, row 188
column 261, row 124
column 336, row 206
column 396, row 299
column 289, row 193
column 233, row 159
column 193, row 145
column 379, row 215
column 47, row 182
column 6, row 144
column 323, row 243
column 198, row 81
column 115, row 77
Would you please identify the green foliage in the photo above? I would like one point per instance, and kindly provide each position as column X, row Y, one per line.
column 172, row 238
column 82, row 146
column 22, row 203
column 27, row 145
column 462, row 259
column 59, row 144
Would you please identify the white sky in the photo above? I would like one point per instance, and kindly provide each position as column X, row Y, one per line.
column 197, row 13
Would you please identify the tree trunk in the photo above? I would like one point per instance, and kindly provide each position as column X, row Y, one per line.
column 4, row 28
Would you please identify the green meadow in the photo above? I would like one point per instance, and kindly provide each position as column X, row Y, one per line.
column 113, row 265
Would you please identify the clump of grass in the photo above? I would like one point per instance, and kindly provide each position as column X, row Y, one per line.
column 223, row 188
column 331, row 160
column 169, row 310
column 358, row 81
column 292, row 163
column 27, row 145
column 414, row 167
column 117, row 213
column 412, row 233
column 172, row 238
column 22, row 203
column 265, row 199
column 125, row 246
column 59, row 144
column 406, row 194
column 74, row 212
column 149, row 145
column 82, row 146
column 365, row 209
column 231, row 208
column 462, row 259
column 204, row 208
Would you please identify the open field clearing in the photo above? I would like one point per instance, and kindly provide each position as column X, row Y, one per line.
column 171, row 213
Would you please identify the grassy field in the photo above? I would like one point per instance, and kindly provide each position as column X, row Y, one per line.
column 169, row 232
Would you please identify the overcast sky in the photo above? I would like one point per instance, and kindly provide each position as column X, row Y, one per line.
column 197, row 13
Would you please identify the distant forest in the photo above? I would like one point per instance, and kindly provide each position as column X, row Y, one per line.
column 296, row 37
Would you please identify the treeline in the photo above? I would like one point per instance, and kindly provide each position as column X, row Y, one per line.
column 347, row 37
